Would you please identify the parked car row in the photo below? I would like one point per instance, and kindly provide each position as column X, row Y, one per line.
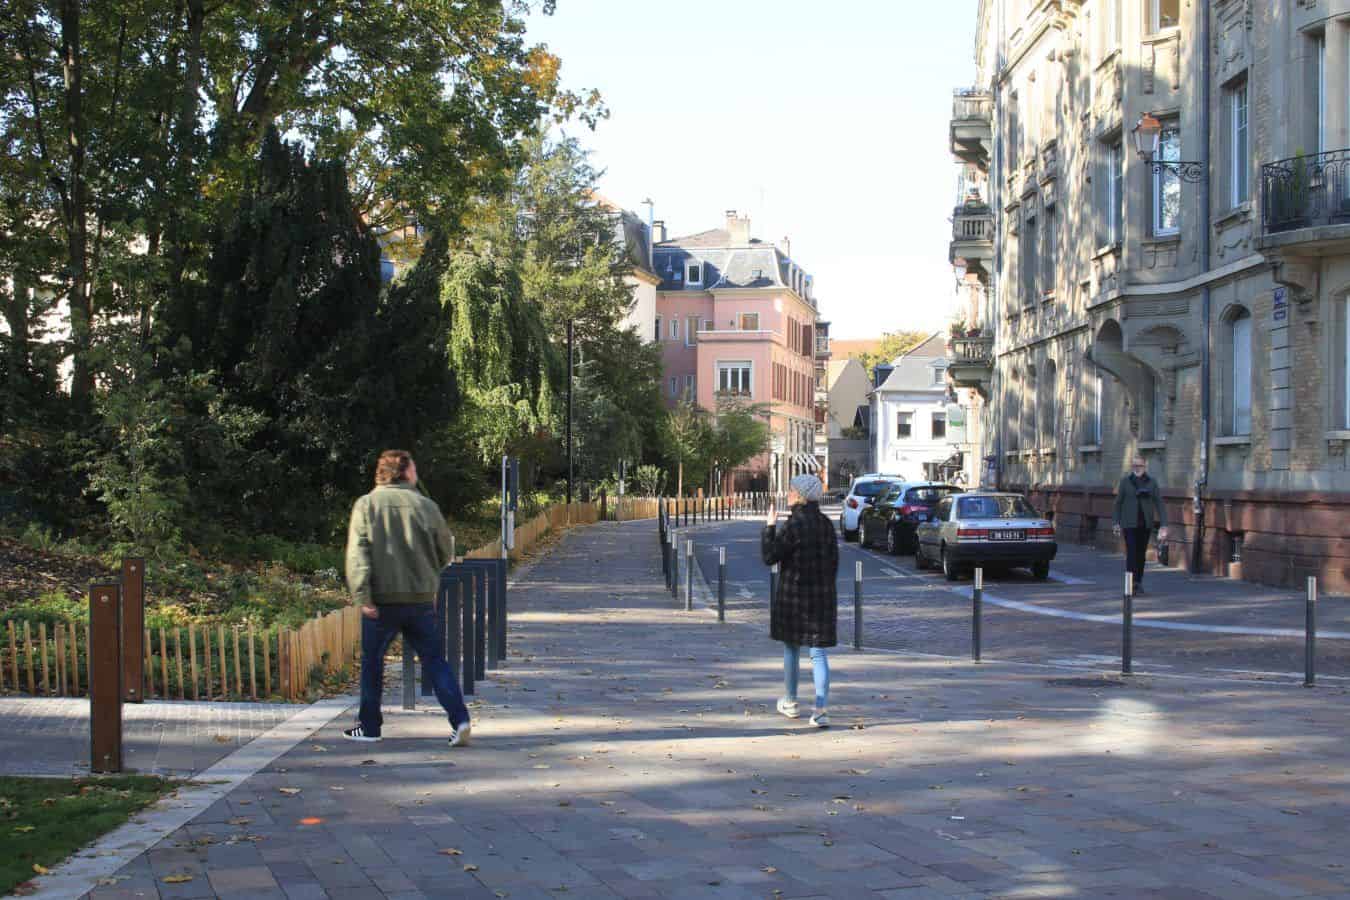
column 948, row 527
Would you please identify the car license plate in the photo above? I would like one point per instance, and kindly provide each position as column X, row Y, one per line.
column 1007, row 535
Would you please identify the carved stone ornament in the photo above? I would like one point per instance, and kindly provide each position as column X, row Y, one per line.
column 1299, row 274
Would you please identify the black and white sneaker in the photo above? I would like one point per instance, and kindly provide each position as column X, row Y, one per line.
column 461, row 736
column 359, row 734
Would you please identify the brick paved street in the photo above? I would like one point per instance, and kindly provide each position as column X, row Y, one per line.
column 629, row 749
column 50, row 735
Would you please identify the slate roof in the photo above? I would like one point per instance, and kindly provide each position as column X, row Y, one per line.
column 636, row 239
column 756, row 265
column 913, row 370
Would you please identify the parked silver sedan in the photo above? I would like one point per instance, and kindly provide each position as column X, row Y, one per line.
column 984, row 528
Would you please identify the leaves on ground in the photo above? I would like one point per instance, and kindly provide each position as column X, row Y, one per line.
column 181, row 878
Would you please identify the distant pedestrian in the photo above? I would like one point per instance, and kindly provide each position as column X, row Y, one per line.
column 804, row 612
column 397, row 544
column 1138, row 510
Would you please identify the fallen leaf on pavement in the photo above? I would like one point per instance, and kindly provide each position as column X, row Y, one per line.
column 470, row 867
column 289, row 792
column 451, row 851
column 769, row 869
column 177, row 879
column 242, row 820
column 41, row 870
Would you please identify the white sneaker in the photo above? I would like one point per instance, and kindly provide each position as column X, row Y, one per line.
column 820, row 719
column 789, row 708
column 461, row 736
column 359, row 734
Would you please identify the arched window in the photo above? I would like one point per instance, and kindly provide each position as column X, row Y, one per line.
column 1237, row 373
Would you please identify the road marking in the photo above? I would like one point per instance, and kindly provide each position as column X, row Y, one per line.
column 1145, row 622
column 892, row 572
column 1070, row 579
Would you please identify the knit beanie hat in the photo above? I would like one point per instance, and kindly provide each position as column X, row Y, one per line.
column 809, row 487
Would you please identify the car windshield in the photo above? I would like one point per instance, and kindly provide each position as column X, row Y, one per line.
column 929, row 495
column 1000, row 507
column 870, row 488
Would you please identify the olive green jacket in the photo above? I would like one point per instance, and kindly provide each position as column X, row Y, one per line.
column 397, row 544
column 1126, row 512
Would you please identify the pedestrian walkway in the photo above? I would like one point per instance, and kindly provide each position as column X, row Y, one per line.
column 630, row 749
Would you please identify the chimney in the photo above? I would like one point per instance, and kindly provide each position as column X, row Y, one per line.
column 659, row 231
column 786, row 246
column 739, row 229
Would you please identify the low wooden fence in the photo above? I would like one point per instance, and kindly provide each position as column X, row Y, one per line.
column 202, row 662
column 193, row 663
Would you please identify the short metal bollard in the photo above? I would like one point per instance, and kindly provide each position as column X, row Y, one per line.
column 688, row 575
column 1127, row 627
column 976, row 609
column 857, row 605
column 674, row 564
column 721, row 584
column 1310, row 634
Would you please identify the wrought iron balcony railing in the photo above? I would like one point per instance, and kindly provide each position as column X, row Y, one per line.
column 972, row 350
column 1304, row 191
column 973, row 222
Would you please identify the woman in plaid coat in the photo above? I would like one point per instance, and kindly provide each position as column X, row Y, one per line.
column 804, row 610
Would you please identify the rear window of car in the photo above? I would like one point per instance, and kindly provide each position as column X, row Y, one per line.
column 929, row 495
column 993, row 508
column 870, row 488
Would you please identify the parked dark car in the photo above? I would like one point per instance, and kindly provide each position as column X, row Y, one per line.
column 863, row 492
column 891, row 521
column 985, row 529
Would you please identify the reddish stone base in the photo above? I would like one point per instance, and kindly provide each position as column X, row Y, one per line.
column 1278, row 538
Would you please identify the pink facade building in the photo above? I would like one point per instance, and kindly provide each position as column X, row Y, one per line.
column 736, row 318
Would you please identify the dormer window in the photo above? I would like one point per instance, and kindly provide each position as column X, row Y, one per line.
column 695, row 273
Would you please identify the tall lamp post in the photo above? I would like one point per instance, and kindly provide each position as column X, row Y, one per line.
column 570, row 348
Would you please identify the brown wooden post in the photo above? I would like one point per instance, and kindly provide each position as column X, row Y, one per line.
column 178, row 660
column 28, row 653
column 163, row 664
column 42, row 648
column 238, row 670
column 75, row 659
column 59, row 634
column 192, row 657
column 252, row 668
column 284, row 664
column 13, row 656
column 267, row 664
column 224, row 672
column 148, row 687
column 133, row 630
column 105, row 683
column 206, row 657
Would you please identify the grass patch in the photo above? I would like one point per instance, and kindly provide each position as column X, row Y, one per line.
column 44, row 820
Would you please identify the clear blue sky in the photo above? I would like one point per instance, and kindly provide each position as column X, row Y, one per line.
column 826, row 122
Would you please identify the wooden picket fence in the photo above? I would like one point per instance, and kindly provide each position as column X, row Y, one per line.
column 201, row 662
column 192, row 663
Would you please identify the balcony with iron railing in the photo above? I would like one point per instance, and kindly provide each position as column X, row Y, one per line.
column 971, row 362
column 972, row 126
column 973, row 239
column 1306, row 192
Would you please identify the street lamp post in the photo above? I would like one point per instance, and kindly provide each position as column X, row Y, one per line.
column 570, row 342
column 1147, row 135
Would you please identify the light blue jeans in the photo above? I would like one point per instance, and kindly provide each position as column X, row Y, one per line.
column 820, row 670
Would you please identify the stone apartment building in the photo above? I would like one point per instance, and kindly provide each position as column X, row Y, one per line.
column 1188, row 302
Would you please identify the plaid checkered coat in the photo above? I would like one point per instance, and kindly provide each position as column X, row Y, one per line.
column 805, row 609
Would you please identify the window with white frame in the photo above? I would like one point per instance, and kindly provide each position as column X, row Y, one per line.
column 1340, row 364
column 1092, row 423
column 674, row 386
column 939, row 373
column 1238, row 165
column 734, row 377
column 691, row 331
column 1237, row 373
column 1167, row 183
column 749, row 321
column 1113, row 192
column 904, row 424
column 1027, row 256
column 939, row 426
column 658, row 328
column 1162, row 14
column 1320, row 60
column 1049, row 253
column 694, row 274
column 707, row 324
column 690, row 387
column 674, row 329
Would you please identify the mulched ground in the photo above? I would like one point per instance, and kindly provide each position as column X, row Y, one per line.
column 26, row 574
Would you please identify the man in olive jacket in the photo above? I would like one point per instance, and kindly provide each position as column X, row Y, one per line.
column 1138, row 510
column 397, row 544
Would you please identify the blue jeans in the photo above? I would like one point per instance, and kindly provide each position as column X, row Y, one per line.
column 417, row 623
column 820, row 669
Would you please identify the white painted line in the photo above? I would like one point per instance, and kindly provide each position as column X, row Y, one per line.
column 1070, row 579
column 1146, row 622
column 80, row 874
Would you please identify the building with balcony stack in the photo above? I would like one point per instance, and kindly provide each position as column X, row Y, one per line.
column 737, row 321
column 1154, row 232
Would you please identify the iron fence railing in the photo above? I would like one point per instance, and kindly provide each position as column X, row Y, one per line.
column 1304, row 191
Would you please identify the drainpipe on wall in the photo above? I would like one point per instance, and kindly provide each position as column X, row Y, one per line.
column 1197, row 500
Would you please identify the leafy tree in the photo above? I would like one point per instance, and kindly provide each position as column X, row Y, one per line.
column 893, row 343
column 688, row 437
column 739, row 434
column 651, row 480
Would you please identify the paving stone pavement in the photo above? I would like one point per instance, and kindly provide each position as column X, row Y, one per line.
column 629, row 749
column 50, row 735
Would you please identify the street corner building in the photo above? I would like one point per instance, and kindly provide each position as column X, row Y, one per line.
column 1152, row 237
column 737, row 320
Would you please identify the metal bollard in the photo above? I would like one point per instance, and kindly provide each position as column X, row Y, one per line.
column 132, row 625
column 1127, row 627
column 688, row 575
column 857, row 605
column 976, row 608
column 1310, row 634
column 674, row 564
column 721, row 584
column 105, row 678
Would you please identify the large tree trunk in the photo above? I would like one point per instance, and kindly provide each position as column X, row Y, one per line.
column 77, row 213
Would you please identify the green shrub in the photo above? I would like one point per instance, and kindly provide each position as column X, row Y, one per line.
column 51, row 607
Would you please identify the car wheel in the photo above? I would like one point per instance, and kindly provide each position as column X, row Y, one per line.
column 948, row 567
column 1040, row 570
column 892, row 542
column 920, row 561
column 850, row 536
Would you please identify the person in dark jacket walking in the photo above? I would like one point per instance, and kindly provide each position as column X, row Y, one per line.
column 804, row 611
column 397, row 544
column 1138, row 510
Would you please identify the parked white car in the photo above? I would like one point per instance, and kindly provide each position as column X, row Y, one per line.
column 864, row 490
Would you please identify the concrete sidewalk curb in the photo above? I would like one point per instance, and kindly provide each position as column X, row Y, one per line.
column 81, row 873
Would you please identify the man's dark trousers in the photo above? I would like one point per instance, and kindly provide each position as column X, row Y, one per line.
column 1136, row 549
column 417, row 623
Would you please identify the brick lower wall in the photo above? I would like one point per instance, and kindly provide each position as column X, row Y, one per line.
column 1285, row 536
